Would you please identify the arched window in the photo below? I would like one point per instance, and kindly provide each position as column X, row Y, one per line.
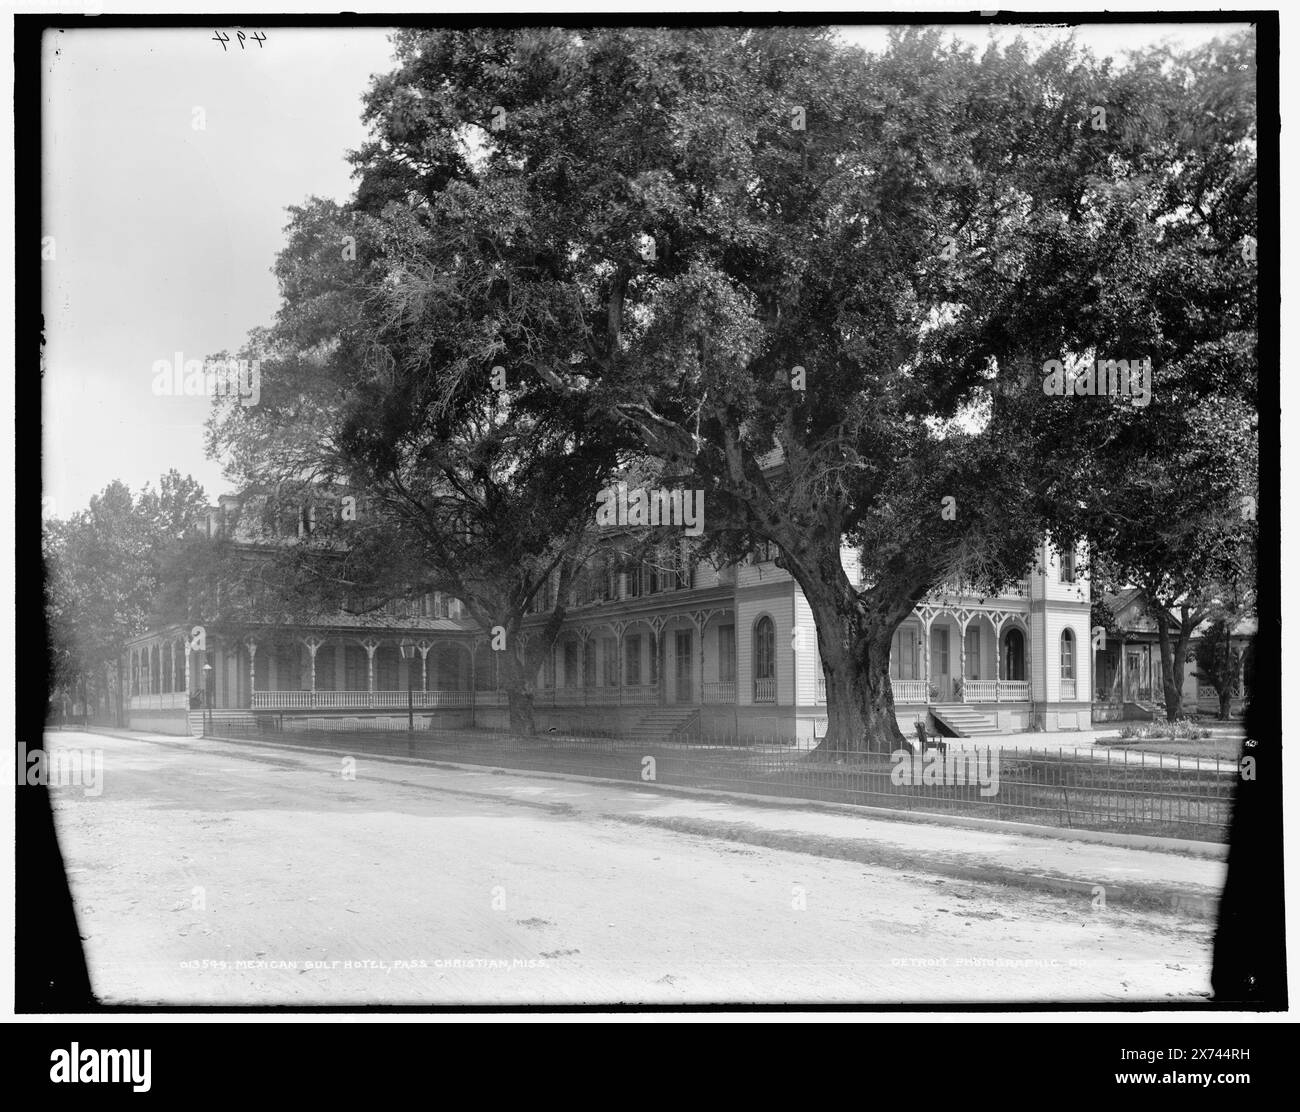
column 764, row 661
column 764, row 649
column 1067, row 655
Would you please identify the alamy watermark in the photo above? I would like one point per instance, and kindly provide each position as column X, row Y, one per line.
column 617, row 505
column 954, row 769
column 1113, row 378
column 219, row 378
column 61, row 768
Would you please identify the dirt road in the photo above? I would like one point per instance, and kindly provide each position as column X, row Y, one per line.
column 207, row 873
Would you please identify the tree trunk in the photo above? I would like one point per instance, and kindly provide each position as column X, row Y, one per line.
column 1173, row 660
column 521, row 712
column 854, row 635
column 860, row 704
column 519, row 685
column 1229, row 673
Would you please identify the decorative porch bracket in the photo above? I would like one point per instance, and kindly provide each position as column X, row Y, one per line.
column 251, row 646
column 370, row 644
column 313, row 643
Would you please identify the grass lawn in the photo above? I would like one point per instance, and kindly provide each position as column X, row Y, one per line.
column 1224, row 743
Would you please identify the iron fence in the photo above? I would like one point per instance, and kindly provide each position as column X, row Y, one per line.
column 1123, row 792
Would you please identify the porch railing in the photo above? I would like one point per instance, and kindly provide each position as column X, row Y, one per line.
column 167, row 700
column 909, row 691
column 1067, row 691
column 626, row 695
column 972, row 691
column 368, row 700
column 765, row 691
column 720, row 691
column 995, row 691
column 979, row 691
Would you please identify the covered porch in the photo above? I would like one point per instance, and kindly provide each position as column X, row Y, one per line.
column 677, row 658
column 326, row 671
column 955, row 654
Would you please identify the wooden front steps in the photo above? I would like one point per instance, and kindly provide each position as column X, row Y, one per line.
column 963, row 720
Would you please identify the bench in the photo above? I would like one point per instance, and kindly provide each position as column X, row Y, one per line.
column 928, row 742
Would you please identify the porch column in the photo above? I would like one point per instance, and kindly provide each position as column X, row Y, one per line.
column 661, row 682
column 424, row 647
column 700, row 700
column 186, row 645
column 999, row 621
column 925, row 652
column 962, row 626
column 251, row 645
column 584, row 636
column 370, row 645
column 1029, row 656
column 619, row 629
column 313, row 644
column 701, row 620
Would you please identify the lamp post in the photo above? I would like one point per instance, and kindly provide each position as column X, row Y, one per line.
column 407, row 648
column 207, row 698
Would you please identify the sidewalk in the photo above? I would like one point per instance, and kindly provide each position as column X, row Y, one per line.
column 1130, row 871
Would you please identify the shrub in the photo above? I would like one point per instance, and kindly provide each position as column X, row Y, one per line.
column 1184, row 729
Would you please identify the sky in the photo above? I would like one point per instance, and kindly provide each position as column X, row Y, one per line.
column 160, row 234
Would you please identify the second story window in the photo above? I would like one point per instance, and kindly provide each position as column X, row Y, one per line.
column 685, row 568
column 633, row 570
column 609, row 578
column 1067, row 567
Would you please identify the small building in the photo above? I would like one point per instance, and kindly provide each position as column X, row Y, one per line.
column 1129, row 670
